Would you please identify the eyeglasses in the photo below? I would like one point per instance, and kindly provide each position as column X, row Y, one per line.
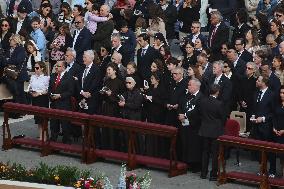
column 4, row 25
column 194, row 27
column 278, row 15
column 226, row 66
column 36, row 68
column 238, row 44
column 77, row 22
column 103, row 50
column 248, row 68
column 58, row 66
column 86, row 3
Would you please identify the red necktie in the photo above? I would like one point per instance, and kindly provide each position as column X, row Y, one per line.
column 212, row 35
column 57, row 81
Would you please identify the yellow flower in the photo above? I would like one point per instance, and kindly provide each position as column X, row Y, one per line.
column 56, row 178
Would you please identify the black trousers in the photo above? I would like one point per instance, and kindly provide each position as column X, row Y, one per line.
column 55, row 129
column 209, row 145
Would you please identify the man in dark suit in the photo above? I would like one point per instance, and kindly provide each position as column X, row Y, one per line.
column 118, row 47
column 176, row 92
column 117, row 58
column 202, row 60
column 22, row 23
column 242, row 27
column 218, row 34
column 60, row 91
column 238, row 74
column 73, row 68
column 274, row 82
column 242, row 52
column 225, row 93
column 262, row 113
column 212, row 126
column 190, row 118
column 82, row 39
column 89, row 84
column 195, row 34
column 102, row 37
column 145, row 56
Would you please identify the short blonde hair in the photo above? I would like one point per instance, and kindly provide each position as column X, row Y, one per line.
column 17, row 39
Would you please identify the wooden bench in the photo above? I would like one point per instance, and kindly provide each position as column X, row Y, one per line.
column 133, row 128
column 46, row 147
column 88, row 149
column 263, row 147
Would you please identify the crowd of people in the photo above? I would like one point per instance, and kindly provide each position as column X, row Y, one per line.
column 114, row 58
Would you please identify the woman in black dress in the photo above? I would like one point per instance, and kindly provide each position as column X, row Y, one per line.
column 155, row 98
column 38, row 90
column 112, row 87
column 278, row 124
column 6, row 33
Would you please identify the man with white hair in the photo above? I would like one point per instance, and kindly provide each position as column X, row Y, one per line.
column 117, row 46
column 89, row 84
column 218, row 33
column 102, row 36
column 225, row 85
column 117, row 58
column 73, row 69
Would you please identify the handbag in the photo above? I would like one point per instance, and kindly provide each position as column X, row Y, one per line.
column 11, row 71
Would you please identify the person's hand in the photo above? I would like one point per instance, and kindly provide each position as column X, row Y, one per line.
column 75, row 78
column 259, row 120
column 108, row 92
column 34, row 94
column 121, row 103
column 184, row 5
column 169, row 107
column 244, row 104
column 110, row 16
column 150, row 98
column 55, row 96
column 175, row 106
column 86, row 94
column 281, row 132
column 48, row 22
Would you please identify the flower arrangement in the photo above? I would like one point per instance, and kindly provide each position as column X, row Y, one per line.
column 67, row 176
column 100, row 182
column 132, row 181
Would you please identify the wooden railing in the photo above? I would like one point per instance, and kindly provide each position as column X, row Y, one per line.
column 260, row 146
column 88, row 149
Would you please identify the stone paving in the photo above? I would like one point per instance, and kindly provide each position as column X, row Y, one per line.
column 31, row 157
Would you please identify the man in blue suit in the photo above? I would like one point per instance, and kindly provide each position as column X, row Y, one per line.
column 82, row 39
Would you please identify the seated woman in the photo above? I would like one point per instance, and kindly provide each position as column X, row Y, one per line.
column 16, row 55
column 38, row 90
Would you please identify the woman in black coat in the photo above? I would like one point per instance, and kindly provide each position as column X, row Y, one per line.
column 5, row 34
column 16, row 55
column 113, row 86
column 155, row 98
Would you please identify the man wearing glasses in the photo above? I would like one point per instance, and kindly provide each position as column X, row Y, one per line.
column 279, row 14
column 82, row 39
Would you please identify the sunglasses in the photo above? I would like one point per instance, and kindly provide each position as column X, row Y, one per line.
column 248, row 68
column 128, row 82
column 226, row 66
column 77, row 22
column 278, row 15
column 4, row 25
column 37, row 68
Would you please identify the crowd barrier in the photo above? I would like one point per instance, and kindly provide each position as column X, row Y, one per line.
column 88, row 150
column 261, row 146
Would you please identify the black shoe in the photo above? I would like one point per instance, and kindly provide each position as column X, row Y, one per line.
column 19, row 136
column 213, row 178
column 203, row 176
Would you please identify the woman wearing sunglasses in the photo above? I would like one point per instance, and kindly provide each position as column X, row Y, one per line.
column 38, row 90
